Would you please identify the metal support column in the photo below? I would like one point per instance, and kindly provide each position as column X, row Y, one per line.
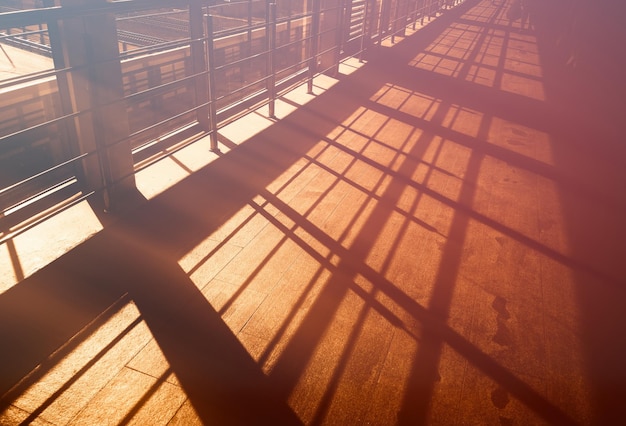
column 90, row 52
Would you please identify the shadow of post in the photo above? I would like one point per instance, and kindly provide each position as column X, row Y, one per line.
column 223, row 383
column 137, row 258
column 46, row 316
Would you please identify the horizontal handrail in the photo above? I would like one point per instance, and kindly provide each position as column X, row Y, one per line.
column 206, row 77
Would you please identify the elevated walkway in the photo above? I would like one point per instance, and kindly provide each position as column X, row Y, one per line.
column 435, row 238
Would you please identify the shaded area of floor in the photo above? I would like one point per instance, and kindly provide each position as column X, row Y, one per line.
column 437, row 239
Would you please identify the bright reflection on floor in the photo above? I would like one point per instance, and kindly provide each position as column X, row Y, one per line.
column 491, row 57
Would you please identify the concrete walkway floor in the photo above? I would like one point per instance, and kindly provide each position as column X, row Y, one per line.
column 439, row 238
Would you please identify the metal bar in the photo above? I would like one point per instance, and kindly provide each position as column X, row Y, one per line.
column 212, row 84
column 282, row 75
column 365, row 38
column 199, row 61
column 315, row 29
column 44, row 172
column 34, row 16
column 271, row 71
column 414, row 18
column 242, row 60
column 169, row 45
column 394, row 23
column 341, row 26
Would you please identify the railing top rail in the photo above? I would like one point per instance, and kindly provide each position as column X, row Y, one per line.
column 35, row 16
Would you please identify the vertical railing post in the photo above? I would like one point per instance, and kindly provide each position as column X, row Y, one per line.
column 394, row 23
column 365, row 37
column 212, row 85
column 408, row 17
column 341, row 25
column 330, row 28
column 199, row 63
column 271, row 65
column 249, row 44
column 315, row 32
column 405, row 14
column 383, row 19
column 346, row 25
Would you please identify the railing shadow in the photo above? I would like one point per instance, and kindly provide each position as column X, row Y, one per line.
column 136, row 260
column 46, row 316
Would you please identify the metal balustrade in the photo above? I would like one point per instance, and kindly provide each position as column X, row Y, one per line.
column 184, row 67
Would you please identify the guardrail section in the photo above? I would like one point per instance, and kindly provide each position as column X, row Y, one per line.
column 130, row 79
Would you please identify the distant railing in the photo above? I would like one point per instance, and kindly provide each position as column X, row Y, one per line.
column 186, row 67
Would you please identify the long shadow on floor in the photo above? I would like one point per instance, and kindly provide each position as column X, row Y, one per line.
column 49, row 314
column 137, row 259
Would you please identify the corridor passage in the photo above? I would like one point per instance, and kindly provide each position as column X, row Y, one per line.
column 438, row 238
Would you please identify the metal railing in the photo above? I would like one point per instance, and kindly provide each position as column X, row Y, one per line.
column 193, row 67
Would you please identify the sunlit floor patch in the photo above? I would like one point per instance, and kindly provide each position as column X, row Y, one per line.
column 30, row 251
column 67, row 383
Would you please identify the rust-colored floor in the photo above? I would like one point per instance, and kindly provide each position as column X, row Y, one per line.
column 439, row 238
